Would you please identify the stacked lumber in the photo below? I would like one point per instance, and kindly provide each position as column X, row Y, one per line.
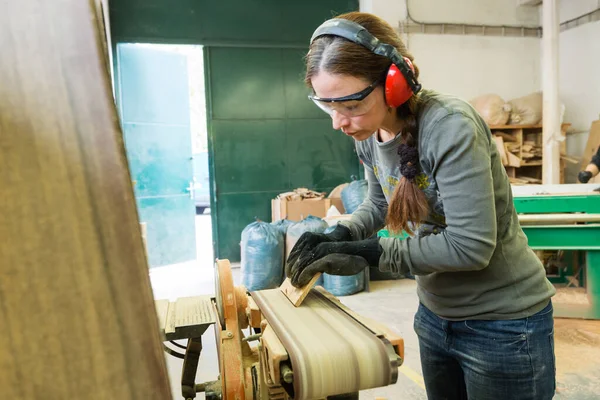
column 516, row 153
column 524, row 180
column 509, row 149
column 531, row 152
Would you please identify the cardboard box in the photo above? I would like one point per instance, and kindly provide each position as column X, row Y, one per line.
column 297, row 210
column 337, row 202
column 336, row 197
column 297, row 205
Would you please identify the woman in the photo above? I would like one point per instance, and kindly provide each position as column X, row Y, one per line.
column 484, row 322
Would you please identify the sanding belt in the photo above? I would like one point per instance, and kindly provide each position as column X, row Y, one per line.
column 330, row 352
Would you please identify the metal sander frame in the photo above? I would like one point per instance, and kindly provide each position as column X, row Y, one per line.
column 262, row 372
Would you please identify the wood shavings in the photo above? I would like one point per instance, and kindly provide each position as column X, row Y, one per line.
column 301, row 194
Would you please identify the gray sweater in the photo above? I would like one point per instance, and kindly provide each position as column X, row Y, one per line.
column 470, row 258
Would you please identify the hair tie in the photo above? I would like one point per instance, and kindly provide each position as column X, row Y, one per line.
column 409, row 161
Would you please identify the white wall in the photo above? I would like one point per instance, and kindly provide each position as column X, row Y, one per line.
column 393, row 11
column 464, row 65
column 468, row 66
column 579, row 76
column 570, row 9
column 491, row 12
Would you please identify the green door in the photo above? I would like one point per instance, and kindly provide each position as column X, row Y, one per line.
column 265, row 138
column 153, row 102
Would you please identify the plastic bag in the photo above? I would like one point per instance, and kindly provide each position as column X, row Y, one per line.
column 527, row 110
column 262, row 256
column 309, row 224
column 282, row 225
column 354, row 194
column 492, row 108
column 344, row 285
column 320, row 281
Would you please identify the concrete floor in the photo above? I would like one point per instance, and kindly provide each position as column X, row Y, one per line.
column 577, row 342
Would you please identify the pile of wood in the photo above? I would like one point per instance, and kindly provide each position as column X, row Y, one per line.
column 301, row 194
column 530, row 151
column 509, row 149
column 516, row 153
column 520, row 149
column 524, row 180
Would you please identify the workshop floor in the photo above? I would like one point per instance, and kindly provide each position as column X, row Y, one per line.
column 577, row 342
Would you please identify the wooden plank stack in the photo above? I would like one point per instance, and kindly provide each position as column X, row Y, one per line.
column 520, row 148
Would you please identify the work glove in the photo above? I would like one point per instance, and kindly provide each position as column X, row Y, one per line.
column 584, row 176
column 335, row 258
column 309, row 240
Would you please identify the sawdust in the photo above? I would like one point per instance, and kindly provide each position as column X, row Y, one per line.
column 570, row 296
column 576, row 346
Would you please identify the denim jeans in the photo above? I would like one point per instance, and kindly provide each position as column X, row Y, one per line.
column 487, row 360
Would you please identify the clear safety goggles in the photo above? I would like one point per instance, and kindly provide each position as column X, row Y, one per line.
column 352, row 105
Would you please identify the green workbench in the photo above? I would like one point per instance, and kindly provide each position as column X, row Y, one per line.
column 574, row 200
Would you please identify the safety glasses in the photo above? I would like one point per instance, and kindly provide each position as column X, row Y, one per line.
column 352, row 105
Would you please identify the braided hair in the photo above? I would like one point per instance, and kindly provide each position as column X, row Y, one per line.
column 339, row 56
column 408, row 204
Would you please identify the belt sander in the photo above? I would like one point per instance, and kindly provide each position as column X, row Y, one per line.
column 271, row 349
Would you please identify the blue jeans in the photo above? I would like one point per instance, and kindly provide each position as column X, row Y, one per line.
column 487, row 360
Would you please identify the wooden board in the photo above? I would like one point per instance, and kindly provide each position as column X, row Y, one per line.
column 501, row 150
column 506, row 137
column 76, row 306
column 513, row 161
column 493, row 127
column 297, row 295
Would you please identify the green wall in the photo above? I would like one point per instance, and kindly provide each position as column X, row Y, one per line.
column 265, row 137
column 222, row 22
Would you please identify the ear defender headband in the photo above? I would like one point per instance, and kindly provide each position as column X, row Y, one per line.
column 400, row 82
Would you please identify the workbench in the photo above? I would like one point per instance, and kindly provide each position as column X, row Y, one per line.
column 565, row 217
column 562, row 217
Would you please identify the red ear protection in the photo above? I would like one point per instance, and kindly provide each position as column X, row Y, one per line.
column 400, row 83
column 397, row 89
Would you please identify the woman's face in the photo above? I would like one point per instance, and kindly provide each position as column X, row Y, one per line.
column 371, row 110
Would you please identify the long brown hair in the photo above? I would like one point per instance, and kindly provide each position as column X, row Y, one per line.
column 339, row 56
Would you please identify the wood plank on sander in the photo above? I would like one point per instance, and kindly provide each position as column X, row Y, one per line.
column 297, row 295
